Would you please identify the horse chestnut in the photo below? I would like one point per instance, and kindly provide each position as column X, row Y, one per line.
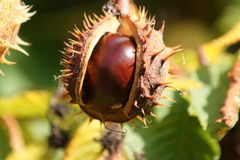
column 116, row 69
column 110, row 71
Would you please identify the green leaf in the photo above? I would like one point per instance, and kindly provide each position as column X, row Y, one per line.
column 4, row 145
column 206, row 102
column 35, row 130
column 179, row 136
column 133, row 143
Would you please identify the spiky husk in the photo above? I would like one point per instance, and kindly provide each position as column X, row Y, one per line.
column 151, row 68
column 77, row 52
column 12, row 14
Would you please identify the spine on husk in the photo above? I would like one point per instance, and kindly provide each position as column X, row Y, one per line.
column 151, row 68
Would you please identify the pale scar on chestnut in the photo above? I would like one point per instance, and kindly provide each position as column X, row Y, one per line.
column 117, row 67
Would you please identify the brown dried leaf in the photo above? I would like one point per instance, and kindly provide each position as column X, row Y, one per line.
column 231, row 105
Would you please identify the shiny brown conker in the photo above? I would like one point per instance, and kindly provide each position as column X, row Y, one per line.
column 110, row 71
column 117, row 67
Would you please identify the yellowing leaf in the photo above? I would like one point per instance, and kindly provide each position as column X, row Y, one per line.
column 214, row 49
column 32, row 152
column 28, row 104
column 83, row 145
column 184, row 83
column 187, row 60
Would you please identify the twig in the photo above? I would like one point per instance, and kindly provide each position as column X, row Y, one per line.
column 14, row 132
column 202, row 57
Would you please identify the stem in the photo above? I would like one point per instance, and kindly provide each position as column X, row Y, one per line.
column 123, row 6
column 15, row 134
column 202, row 57
column 112, row 141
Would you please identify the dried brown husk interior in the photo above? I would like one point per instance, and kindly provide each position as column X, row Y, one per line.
column 150, row 71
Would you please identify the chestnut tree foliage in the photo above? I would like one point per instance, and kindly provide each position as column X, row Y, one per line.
column 195, row 123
